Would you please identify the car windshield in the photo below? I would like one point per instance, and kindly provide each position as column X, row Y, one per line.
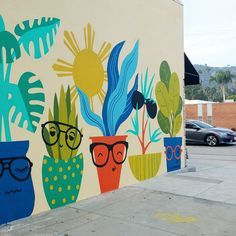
column 203, row 125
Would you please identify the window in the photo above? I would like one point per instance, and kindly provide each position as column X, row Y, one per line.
column 190, row 126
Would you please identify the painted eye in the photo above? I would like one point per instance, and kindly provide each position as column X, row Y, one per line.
column 71, row 137
column 52, row 133
column 22, row 170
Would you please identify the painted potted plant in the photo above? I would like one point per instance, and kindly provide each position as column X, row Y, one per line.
column 110, row 150
column 21, row 104
column 170, row 114
column 145, row 166
column 62, row 170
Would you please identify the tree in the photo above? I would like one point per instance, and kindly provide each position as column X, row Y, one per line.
column 222, row 78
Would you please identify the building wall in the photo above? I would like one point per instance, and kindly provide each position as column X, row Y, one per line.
column 223, row 114
column 97, row 48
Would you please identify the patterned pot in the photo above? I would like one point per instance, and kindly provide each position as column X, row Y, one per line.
column 145, row 166
column 16, row 187
column 173, row 153
column 108, row 155
column 62, row 179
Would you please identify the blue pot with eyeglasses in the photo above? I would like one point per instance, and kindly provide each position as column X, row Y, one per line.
column 173, row 152
column 16, row 186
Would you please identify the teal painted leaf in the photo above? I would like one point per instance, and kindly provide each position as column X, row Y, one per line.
column 40, row 30
column 154, row 136
column 10, row 49
column 28, row 102
column 2, row 24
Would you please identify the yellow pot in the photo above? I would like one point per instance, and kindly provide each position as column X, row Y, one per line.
column 145, row 166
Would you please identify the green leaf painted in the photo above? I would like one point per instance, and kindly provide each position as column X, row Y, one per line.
column 163, row 100
column 164, row 122
column 68, row 102
column 10, row 46
column 174, row 92
column 26, row 102
column 56, row 108
column 180, row 107
column 165, row 73
column 40, row 30
column 177, row 124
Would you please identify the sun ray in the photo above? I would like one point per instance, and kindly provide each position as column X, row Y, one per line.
column 64, row 62
column 104, row 52
column 71, row 42
column 68, row 46
column 100, row 98
column 85, row 38
column 75, row 41
column 73, row 92
column 64, row 74
column 74, row 97
column 64, row 66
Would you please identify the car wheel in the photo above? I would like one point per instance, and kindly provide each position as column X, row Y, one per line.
column 211, row 140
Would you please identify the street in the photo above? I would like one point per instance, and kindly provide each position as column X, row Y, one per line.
column 196, row 203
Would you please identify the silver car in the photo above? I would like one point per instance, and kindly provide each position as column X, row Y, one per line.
column 202, row 133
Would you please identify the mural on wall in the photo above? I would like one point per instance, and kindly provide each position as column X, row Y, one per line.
column 21, row 104
column 170, row 114
column 110, row 150
column 62, row 170
column 145, row 166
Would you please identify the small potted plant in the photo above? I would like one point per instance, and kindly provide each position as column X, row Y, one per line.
column 21, row 104
column 145, row 166
column 62, row 170
column 170, row 114
column 110, row 150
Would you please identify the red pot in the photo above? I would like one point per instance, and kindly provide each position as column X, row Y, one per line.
column 109, row 153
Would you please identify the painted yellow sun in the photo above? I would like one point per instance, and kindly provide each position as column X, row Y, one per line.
column 87, row 68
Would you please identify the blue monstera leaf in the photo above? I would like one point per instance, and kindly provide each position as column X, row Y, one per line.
column 40, row 30
column 28, row 99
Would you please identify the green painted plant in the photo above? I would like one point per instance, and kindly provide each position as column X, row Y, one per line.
column 21, row 103
column 61, row 134
column 144, row 100
column 169, row 101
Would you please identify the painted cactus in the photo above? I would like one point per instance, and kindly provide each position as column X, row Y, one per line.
column 170, row 114
column 169, row 101
column 63, row 169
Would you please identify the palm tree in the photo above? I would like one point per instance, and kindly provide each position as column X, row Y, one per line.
column 222, row 78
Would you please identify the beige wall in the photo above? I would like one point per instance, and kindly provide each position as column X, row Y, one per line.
column 157, row 24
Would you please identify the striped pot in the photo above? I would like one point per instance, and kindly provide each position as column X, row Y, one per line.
column 145, row 166
column 62, row 180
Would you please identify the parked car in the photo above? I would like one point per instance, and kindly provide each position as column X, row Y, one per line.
column 200, row 132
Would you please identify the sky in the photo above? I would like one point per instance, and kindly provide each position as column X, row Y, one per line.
column 210, row 31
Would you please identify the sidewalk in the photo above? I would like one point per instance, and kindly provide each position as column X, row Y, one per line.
column 193, row 203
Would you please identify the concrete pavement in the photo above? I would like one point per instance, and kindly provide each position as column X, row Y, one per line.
column 192, row 203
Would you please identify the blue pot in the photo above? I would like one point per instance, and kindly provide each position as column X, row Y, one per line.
column 173, row 153
column 16, row 186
